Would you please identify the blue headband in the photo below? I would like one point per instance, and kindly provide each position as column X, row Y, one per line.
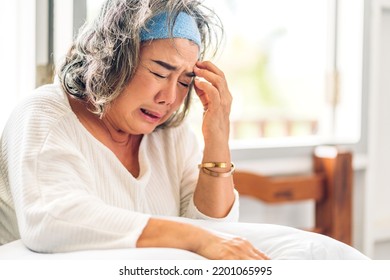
column 185, row 27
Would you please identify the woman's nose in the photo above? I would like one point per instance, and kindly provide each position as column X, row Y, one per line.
column 167, row 95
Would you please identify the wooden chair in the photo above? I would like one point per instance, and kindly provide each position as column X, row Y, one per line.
column 329, row 185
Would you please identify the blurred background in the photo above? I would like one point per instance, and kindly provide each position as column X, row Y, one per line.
column 302, row 73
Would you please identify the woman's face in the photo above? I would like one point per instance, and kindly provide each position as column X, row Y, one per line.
column 158, row 88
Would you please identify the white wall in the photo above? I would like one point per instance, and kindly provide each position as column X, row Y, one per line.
column 17, row 53
column 378, row 179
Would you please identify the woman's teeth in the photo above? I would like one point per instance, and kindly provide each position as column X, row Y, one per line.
column 146, row 112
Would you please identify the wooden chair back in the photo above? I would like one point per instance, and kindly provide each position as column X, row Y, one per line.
column 329, row 185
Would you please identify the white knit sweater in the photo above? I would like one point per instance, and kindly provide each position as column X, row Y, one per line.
column 70, row 192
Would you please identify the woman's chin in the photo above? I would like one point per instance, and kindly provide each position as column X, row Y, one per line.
column 147, row 129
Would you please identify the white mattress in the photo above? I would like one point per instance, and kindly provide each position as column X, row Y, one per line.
column 278, row 242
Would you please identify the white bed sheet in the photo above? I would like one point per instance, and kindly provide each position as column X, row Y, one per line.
column 278, row 242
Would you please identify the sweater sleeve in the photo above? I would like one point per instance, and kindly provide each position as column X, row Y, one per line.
column 56, row 207
column 192, row 156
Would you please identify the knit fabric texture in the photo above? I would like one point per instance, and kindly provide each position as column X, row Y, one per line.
column 184, row 27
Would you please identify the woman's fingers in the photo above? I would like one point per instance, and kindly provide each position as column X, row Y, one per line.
column 260, row 255
column 212, row 87
column 233, row 248
column 212, row 74
column 206, row 92
column 251, row 251
column 207, row 65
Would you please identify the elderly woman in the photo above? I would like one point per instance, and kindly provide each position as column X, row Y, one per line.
column 101, row 158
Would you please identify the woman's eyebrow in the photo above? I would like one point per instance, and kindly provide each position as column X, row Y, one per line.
column 171, row 67
column 166, row 65
column 190, row 74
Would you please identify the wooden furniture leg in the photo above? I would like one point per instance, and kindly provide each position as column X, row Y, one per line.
column 334, row 211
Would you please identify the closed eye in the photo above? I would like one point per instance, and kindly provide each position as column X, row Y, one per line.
column 184, row 84
column 187, row 83
column 158, row 75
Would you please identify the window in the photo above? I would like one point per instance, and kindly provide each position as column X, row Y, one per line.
column 294, row 70
column 275, row 61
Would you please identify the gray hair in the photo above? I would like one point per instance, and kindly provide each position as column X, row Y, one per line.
column 103, row 58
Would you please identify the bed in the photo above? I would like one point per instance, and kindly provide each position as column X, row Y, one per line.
column 279, row 242
column 329, row 185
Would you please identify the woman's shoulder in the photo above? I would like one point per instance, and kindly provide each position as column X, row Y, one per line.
column 38, row 111
column 46, row 103
column 48, row 98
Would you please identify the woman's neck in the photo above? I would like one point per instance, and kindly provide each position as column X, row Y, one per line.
column 124, row 145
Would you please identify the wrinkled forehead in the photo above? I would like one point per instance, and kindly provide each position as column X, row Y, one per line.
column 177, row 51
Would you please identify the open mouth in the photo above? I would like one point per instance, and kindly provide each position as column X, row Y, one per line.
column 149, row 114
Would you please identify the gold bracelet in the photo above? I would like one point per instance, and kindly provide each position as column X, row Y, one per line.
column 213, row 164
column 219, row 174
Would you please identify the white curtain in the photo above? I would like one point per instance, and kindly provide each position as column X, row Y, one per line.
column 17, row 53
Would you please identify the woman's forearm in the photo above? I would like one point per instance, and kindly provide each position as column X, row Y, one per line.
column 214, row 196
column 173, row 234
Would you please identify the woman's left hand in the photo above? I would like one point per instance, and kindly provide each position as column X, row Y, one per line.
column 214, row 196
column 215, row 96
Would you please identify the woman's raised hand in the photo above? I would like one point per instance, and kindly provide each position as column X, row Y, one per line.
column 213, row 91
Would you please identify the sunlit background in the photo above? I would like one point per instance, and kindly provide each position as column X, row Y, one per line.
column 297, row 69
